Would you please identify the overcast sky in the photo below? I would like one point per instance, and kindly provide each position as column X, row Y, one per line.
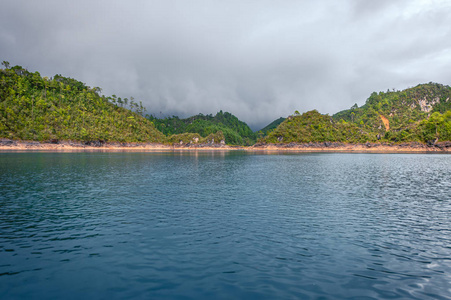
column 259, row 60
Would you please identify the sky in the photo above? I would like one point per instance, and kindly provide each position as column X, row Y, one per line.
column 259, row 60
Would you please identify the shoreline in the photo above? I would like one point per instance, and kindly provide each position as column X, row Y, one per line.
column 96, row 146
column 336, row 147
column 69, row 146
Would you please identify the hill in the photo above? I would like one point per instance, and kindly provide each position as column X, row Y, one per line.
column 315, row 127
column 401, row 115
column 235, row 132
column 38, row 108
column 271, row 126
column 60, row 108
column 418, row 114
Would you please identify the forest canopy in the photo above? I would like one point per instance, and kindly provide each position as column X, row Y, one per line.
column 235, row 131
column 418, row 114
column 39, row 108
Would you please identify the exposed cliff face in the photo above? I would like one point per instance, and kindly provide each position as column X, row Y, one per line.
column 427, row 105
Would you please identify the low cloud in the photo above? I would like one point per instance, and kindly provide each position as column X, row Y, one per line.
column 256, row 59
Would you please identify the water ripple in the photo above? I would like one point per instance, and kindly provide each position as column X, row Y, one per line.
column 229, row 225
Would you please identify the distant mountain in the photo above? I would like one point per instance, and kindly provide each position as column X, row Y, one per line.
column 421, row 113
column 60, row 108
column 271, row 126
column 235, row 131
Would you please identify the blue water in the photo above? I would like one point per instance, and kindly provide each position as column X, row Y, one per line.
column 225, row 225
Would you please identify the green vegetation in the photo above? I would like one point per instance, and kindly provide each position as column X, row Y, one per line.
column 235, row 132
column 418, row 114
column 315, row 127
column 436, row 128
column 195, row 138
column 60, row 108
column 404, row 111
column 40, row 108
column 271, row 126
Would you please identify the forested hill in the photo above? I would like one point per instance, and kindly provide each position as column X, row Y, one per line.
column 315, row 127
column 40, row 108
column 418, row 114
column 271, row 126
column 235, row 131
column 407, row 115
column 33, row 107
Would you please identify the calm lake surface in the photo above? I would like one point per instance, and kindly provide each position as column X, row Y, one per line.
column 225, row 225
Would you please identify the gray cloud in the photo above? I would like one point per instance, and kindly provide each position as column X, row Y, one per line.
column 257, row 59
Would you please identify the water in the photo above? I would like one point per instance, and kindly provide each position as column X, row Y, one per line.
column 225, row 225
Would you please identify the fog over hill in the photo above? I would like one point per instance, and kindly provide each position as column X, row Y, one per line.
column 259, row 60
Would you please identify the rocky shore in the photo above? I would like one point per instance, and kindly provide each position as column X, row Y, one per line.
column 367, row 147
column 56, row 146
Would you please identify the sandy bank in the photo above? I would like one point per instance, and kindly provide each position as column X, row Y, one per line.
column 69, row 146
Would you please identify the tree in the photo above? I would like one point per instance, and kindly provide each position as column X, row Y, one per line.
column 114, row 99
column 5, row 64
column 142, row 109
column 97, row 90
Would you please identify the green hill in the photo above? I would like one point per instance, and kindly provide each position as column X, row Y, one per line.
column 271, row 126
column 40, row 108
column 404, row 115
column 60, row 108
column 235, row 131
column 418, row 114
column 315, row 127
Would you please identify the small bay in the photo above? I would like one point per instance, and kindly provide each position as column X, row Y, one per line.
column 225, row 225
